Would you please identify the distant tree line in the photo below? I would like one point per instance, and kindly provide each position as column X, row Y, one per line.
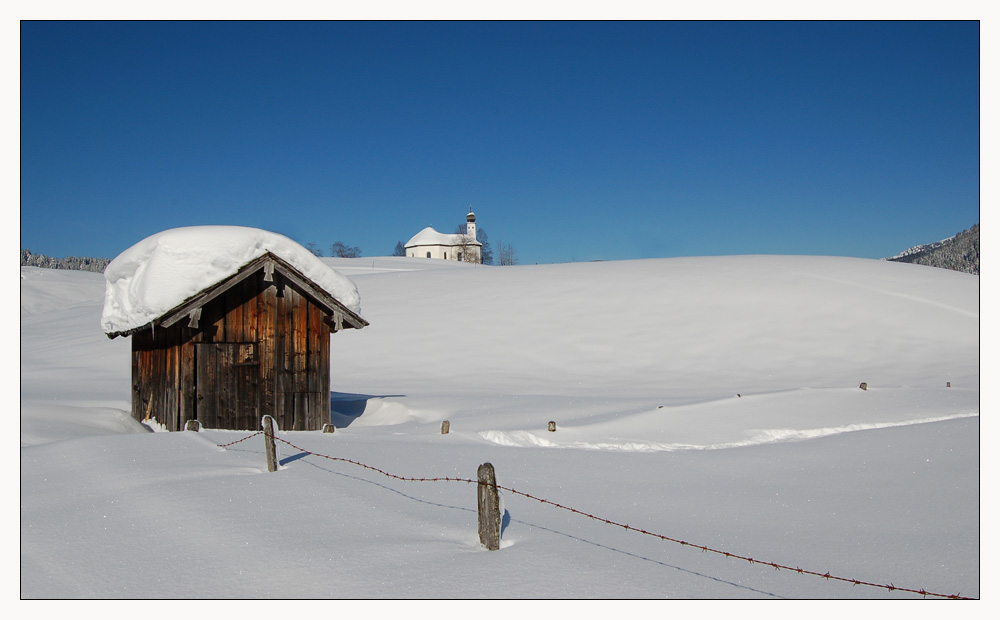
column 960, row 253
column 338, row 249
column 345, row 251
column 29, row 259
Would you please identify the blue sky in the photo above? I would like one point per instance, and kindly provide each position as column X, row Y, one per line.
column 571, row 141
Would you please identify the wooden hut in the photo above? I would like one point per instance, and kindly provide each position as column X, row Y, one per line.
column 255, row 343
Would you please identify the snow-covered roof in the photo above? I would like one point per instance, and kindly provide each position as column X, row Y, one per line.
column 429, row 236
column 164, row 270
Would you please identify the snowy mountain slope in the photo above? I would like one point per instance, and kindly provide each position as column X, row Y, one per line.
column 714, row 400
column 918, row 249
column 959, row 252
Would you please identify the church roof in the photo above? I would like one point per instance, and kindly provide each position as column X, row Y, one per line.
column 429, row 236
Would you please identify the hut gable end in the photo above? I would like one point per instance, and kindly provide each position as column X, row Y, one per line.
column 268, row 264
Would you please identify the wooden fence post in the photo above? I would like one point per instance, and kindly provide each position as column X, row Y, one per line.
column 328, row 428
column 552, row 426
column 192, row 425
column 489, row 508
column 445, row 427
column 272, row 458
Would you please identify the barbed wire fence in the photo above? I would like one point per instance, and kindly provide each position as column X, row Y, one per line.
column 489, row 482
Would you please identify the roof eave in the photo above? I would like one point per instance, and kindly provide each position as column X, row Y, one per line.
column 350, row 320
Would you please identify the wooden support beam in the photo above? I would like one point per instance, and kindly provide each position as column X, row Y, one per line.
column 194, row 315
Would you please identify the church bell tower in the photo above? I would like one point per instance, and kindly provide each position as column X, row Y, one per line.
column 470, row 224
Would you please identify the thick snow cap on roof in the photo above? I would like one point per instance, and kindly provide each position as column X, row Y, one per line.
column 429, row 236
column 162, row 271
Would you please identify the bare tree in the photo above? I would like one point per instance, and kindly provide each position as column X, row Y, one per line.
column 343, row 251
column 485, row 251
column 468, row 249
column 507, row 253
column 312, row 247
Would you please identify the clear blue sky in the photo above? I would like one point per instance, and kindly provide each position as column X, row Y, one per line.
column 571, row 141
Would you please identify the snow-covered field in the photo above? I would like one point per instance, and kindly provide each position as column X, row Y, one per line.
column 712, row 400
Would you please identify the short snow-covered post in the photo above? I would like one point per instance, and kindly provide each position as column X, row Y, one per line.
column 272, row 458
column 489, row 508
column 192, row 425
column 328, row 428
column 552, row 426
column 445, row 427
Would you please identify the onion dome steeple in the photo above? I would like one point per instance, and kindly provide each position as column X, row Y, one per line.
column 470, row 225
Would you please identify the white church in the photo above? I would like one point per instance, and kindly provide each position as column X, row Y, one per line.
column 429, row 243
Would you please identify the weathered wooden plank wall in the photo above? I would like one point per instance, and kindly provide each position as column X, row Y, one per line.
column 186, row 378
column 156, row 376
column 268, row 352
column 318, row 382
column 284, row 413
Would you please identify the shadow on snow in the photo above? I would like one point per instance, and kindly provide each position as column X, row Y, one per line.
column 345, row 407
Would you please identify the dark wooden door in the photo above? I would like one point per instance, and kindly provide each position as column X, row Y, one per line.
column 228, row 385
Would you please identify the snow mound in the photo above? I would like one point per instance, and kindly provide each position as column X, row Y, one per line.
column 162, row 271
column 44, row 289
column 43, row 423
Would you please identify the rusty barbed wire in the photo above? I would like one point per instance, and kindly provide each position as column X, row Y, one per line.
column 375, row 469
column 705, row 549
column 731, row 555
column 232, row 443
